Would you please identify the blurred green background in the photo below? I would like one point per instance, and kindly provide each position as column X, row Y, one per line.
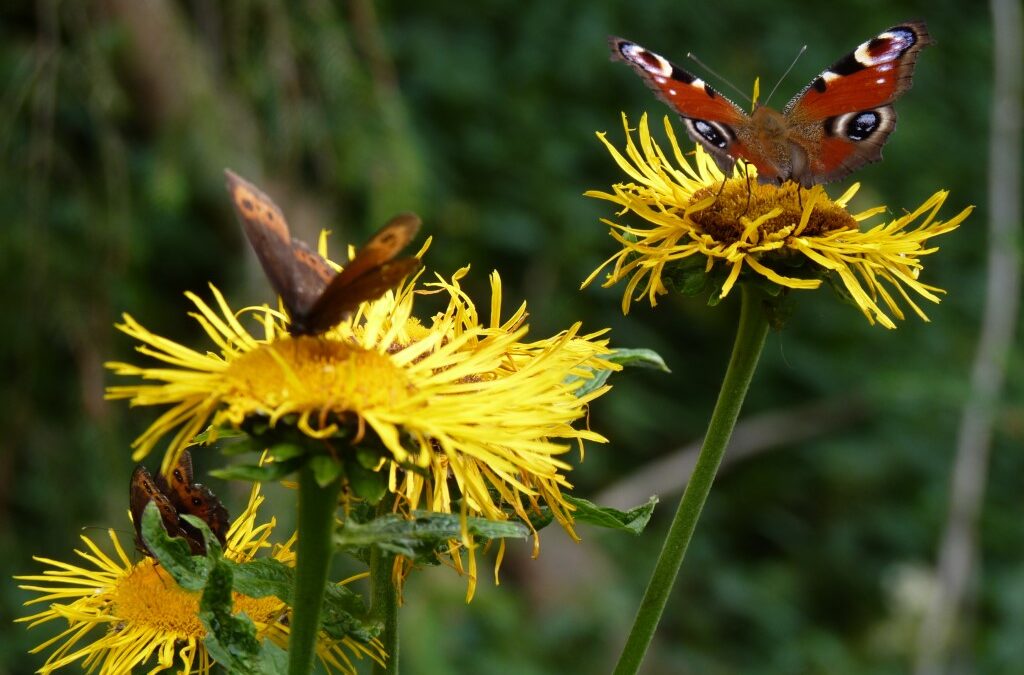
column 815, row 549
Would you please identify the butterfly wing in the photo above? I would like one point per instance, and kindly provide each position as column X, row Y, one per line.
column 187, row 496
column 144, row 490
column 297, row 273
column 848, row 109
column 711, row 119
column 368, row 275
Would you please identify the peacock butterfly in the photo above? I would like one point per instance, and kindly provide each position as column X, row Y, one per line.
column 837, row 123
column 316, row 297
column 174, row 498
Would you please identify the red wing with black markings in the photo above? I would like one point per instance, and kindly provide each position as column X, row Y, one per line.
column 837, row 123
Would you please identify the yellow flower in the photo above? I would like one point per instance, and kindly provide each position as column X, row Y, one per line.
column 739, row 229
column 484, row 416
column 141, row 613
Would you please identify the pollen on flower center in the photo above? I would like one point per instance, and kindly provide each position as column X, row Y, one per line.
column 309, row 373
column 148, row 596
column 738, row 198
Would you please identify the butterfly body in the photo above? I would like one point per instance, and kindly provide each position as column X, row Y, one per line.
column 318, row 298
column 175, row 497
column 837, row 123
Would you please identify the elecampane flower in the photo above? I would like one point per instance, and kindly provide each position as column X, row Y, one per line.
column 736, row 228
column 485, row 415
column 122, row 614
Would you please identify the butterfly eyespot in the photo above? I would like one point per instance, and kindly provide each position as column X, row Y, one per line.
column 862, row 126
column 837, row 123
column 196, row 501
column 715, row 134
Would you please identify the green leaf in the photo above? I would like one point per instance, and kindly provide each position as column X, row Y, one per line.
column 420, row 536
column 264, row 577
column 638, row 358
column 325, row 468
column 173, row 553
column 272, row 471
column 212, row 434
column 213, row 547
column 633, row 521
column 596, row 381
column 342, row 616
column 241, row 446
column 366, row 483
column 539, row 519
column 628, row 358
column 368, row 458
column 689, row 276
column 231, row 640
column 343, row 613
column 281, row 452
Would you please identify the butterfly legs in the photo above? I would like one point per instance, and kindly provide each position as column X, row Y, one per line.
column 746, row 179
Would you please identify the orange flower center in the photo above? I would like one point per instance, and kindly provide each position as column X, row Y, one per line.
column 738, row 198
column 314, row 373
column 148, row 596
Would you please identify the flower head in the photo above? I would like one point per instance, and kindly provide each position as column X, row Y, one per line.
column 729, row 229
column 473, row 418
column 135, row 612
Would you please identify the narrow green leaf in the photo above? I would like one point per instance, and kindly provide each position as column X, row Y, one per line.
column 633, row 521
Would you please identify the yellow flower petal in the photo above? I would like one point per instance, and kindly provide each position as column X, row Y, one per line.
column 759, row 230
column 122, row 614
column 464, row 397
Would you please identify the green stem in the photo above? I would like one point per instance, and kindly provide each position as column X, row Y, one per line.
column 384, row 598
column 315, row 548
column 746, row 351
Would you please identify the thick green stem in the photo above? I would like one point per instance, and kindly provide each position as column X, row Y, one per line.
column 745, row 353
column 384, row 599
column 315, row 548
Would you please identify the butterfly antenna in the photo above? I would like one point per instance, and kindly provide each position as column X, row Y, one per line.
column 693, row 57
column 795, row 59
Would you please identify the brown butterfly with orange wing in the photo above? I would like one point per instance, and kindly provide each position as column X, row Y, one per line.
column 318, row 298
column 176, row 497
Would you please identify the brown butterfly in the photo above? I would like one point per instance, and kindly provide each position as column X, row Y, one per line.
column 175, row 498
column 316, row 297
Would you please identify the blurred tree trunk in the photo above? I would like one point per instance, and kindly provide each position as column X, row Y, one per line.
column 943, row 640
